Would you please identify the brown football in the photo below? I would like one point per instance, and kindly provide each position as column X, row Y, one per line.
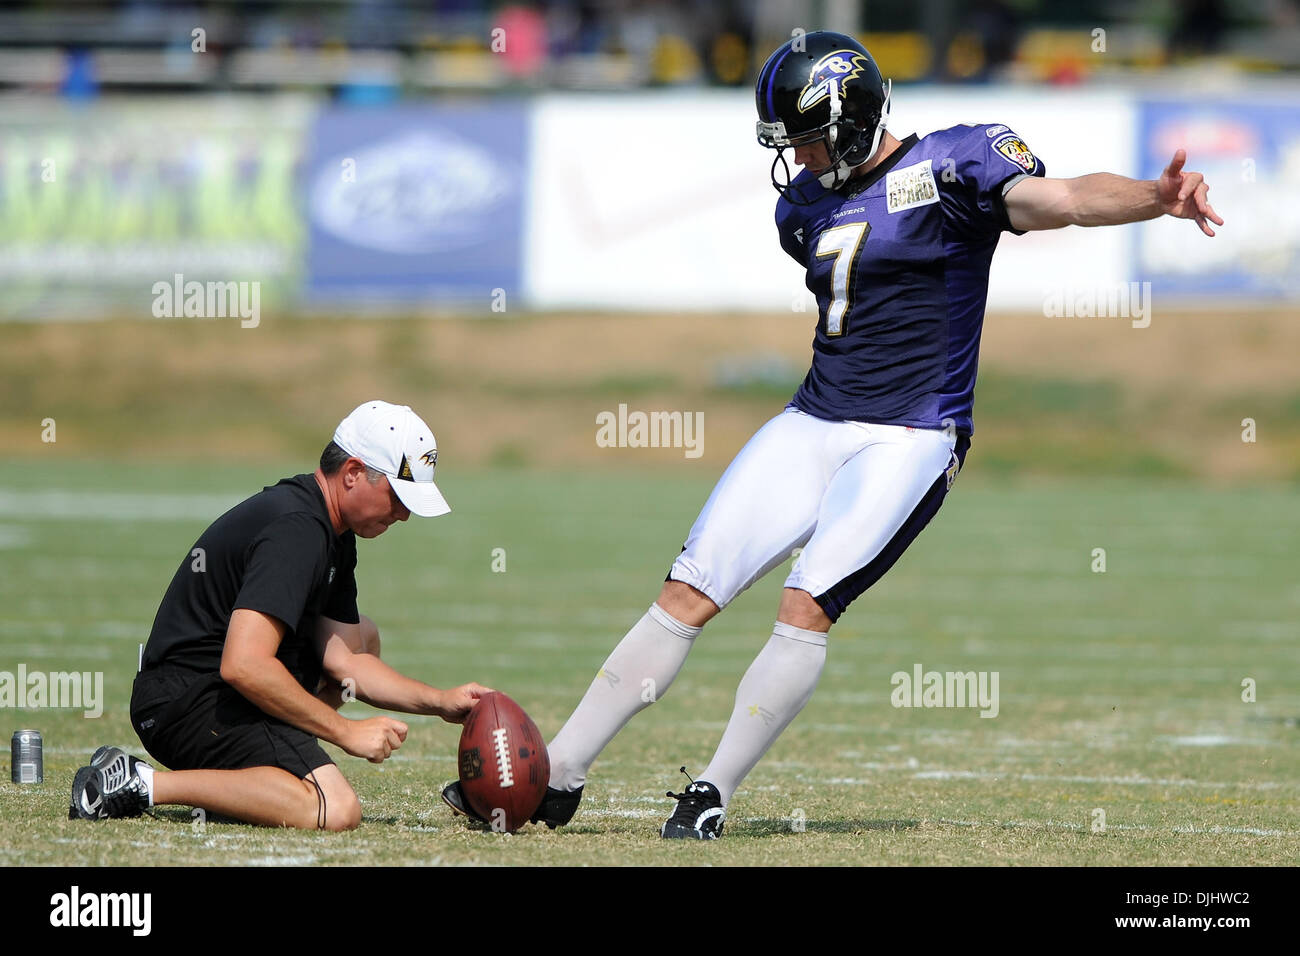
column 504, row 767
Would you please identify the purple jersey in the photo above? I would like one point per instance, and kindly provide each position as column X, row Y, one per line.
column 899, row 262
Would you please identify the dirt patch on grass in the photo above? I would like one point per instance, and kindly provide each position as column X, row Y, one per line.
column 525, row 390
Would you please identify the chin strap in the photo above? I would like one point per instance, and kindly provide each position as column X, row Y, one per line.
column 842, row 172
column 884, row 120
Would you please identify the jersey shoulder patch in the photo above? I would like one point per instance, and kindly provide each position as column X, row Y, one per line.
column 911, row 186
column 1014, row 150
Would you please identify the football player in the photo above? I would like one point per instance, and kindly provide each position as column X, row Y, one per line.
column 896, row 237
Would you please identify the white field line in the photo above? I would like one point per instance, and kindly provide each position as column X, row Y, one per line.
column 958, row 736
column 1206, row 740
column 400, row 757
column 1262, row 630
column 624, row 814
column 132, row 748
column 112, row 506
column 14, row 536
column 11, row 654
column 1131, row 827
column 1133, row 781
column 1251, row 831
column 306, row 859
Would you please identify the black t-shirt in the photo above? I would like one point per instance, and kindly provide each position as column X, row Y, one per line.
column 276, row 553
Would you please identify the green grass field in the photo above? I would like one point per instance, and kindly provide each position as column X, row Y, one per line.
column 1119, row 691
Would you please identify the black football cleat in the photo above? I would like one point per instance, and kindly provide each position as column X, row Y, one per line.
column 455, row 798
column 121, row 789
column 86, row 802
column 699, row 814
column 557, row 807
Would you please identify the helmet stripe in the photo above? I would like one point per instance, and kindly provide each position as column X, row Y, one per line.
column 771, row 81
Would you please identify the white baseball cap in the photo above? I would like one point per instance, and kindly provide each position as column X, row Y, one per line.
column 395, row 440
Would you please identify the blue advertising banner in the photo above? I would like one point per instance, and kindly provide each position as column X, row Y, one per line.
column 419, row 204
column 1249, row 151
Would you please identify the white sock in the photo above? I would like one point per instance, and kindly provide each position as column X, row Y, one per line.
column 636, row 674
column 774, row 689
column 146, row 774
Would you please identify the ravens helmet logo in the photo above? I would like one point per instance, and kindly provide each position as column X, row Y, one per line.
column 836, row 68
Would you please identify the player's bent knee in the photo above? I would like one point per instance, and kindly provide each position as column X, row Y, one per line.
column 686, row 603
column 800, row 609
column 346, row 817
column 336, row 804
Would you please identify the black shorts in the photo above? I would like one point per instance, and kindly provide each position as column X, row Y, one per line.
column 193, row 721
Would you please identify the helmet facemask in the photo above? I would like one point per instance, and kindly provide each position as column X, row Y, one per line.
column 847, row 146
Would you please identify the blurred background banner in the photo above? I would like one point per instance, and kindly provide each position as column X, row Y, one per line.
column 98, row 201
column 669, row 207
column 416, row 204
column 621, row 201
column 698, row 207
column 1248, row 146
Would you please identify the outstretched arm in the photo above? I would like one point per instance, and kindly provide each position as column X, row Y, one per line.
column 1104, row 199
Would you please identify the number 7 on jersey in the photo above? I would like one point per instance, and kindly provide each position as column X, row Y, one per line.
column 837, row 242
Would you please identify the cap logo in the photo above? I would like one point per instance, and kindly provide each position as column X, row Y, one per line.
column 430, row 458
column 835, row 68
column 404, row 470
